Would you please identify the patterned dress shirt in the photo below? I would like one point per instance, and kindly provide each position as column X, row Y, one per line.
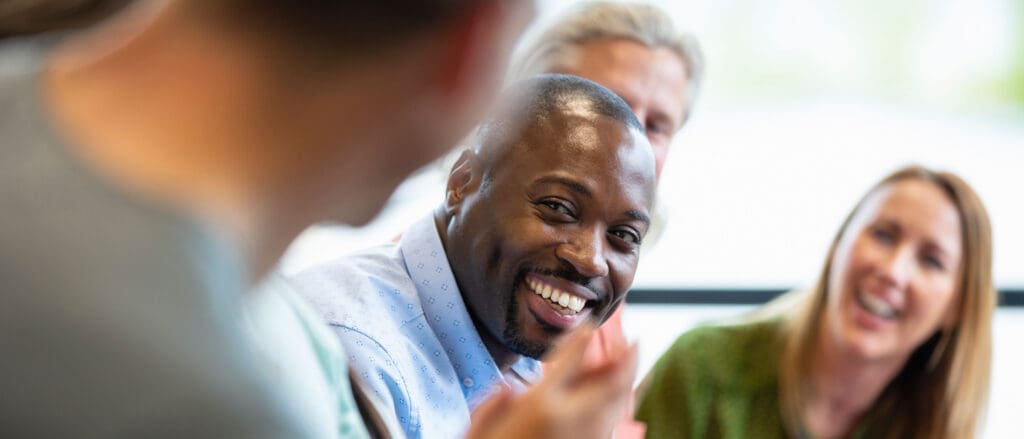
column 400, row 316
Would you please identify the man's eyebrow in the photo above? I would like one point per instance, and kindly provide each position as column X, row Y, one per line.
column 570, row 183
column 639, row 216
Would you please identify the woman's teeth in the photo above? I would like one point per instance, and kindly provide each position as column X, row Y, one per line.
column 562, row 301
column 876, row 306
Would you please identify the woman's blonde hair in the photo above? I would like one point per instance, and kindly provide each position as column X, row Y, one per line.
column 942, row 390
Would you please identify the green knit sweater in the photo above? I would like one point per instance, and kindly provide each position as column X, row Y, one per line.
column 717, row 382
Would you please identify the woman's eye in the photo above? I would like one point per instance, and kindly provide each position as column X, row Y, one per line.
column 934, row 262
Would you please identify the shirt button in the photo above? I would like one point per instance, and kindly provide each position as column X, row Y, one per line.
column 468, row 382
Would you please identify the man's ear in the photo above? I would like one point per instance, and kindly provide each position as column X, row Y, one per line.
column 462, row 180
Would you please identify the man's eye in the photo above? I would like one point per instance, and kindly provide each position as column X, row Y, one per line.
column 627, row 236
column 655, row 128
column 557, row 206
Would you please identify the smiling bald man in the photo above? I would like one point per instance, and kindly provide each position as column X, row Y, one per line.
column 539, row 232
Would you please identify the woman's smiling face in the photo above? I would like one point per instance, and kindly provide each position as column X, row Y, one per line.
column 895, row 272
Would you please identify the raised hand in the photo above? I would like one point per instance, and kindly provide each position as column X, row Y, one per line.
column 576, row 398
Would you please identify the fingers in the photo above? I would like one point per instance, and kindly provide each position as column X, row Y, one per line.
column 573, row 399
column 601, row 396
column 597, row 351
column 607, row 340
column 566, row 358
column 486, row 419
column 494, row 404
column 614, row 372
column 610, row 380
column 614, row 338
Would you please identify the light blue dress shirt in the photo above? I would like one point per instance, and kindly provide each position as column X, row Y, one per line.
column 400, row 316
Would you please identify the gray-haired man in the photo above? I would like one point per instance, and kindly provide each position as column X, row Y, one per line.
column 633, row 49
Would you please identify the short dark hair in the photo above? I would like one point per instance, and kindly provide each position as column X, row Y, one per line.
column 541, row 95
column 536, row 99
column 551, row 91
column 350, row 27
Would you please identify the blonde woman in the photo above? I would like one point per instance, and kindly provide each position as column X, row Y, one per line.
column 893, row 342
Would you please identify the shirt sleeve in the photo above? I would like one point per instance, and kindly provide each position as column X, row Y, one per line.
column 332, row 362
column 380, row 378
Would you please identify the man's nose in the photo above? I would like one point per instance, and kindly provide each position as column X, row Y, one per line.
column 585, row 253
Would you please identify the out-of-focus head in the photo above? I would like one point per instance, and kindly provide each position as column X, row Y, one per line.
column 914, row 258
column 633, row 49
column 416, row 75
column 543, row 221
column 909, row 278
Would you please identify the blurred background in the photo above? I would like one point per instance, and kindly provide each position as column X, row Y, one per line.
column 805, row 105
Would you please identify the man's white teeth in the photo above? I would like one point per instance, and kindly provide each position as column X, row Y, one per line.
column 569, row 303
column 875, row 305
column 563, row 300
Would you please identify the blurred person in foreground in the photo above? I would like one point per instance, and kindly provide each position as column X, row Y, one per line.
column 894, row 341
column 539, row 234
column 155, row 168
column 638, row 52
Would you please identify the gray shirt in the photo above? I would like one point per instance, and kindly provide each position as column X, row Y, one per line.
column 117, row 318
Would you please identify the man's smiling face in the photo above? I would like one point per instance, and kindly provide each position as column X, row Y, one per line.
column 547, row 232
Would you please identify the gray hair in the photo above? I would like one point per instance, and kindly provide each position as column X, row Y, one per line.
column 645, row 24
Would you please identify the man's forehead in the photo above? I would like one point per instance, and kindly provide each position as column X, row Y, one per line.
column 576, row 106
column 585, row 152
column 575, row 127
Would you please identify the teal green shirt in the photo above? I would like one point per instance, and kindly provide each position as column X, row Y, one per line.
column 306, row 358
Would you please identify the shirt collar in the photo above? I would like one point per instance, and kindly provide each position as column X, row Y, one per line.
column 446, row 313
